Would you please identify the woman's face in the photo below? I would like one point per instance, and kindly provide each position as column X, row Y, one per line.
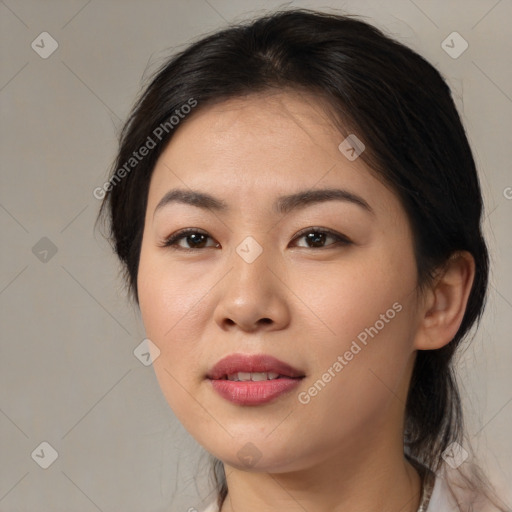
column 262, row 277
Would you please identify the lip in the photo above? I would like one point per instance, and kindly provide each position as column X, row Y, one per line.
column 235, row 363
column 253, row 392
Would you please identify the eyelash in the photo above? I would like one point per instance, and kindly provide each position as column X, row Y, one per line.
column 171, row 241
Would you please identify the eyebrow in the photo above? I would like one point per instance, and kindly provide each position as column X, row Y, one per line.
column 282, row 205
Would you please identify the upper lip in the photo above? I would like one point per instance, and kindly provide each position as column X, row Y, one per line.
column 250, row 363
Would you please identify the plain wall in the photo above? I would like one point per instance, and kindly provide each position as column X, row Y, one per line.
column 68, row 375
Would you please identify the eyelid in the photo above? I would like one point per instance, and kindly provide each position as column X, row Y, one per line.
column 171, row 241
column 330, row 232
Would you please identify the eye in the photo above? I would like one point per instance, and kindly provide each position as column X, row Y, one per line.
column 192, row 236
column 315, row 239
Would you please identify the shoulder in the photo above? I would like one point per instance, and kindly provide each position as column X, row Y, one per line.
column 442, row 500
column 450, row 494
column 212, row 507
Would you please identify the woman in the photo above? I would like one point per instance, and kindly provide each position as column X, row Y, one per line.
column 299, row 217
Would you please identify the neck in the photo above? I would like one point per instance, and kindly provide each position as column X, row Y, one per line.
column 372, row 482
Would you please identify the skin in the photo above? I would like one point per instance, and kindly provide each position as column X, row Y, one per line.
column 344, row 449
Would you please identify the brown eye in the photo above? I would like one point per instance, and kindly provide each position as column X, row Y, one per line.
column 316, row 238
column 194, row 238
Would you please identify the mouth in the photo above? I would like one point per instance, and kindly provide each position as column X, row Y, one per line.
column 253, row 376
column 253, row 379
column 254, row 367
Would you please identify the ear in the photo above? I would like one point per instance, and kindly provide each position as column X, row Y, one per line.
column 444, row 304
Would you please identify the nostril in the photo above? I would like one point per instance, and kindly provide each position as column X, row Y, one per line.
column 261, row 321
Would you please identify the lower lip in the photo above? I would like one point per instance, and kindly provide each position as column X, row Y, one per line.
column 253, row 392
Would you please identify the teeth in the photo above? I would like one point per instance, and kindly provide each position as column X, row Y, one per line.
column 254, row 376
column 259, row 376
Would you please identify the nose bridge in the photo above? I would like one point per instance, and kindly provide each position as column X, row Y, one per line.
column 251, row 261
column 250, row 250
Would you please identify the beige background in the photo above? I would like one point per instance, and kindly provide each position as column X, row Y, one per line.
column 68, row 375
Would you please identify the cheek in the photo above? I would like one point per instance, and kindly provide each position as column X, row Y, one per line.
column 346, row 299
column 369, row 311
column 360, row 377
column 172, row 307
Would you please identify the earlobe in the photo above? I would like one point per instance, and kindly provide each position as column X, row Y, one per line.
column 445, row 302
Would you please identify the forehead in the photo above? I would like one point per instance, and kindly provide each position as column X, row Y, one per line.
column 258, row 147
column 280, row 120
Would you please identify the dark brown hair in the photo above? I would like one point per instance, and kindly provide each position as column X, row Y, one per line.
column 395, row 101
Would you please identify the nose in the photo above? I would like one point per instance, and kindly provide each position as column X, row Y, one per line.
column 253, row 296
